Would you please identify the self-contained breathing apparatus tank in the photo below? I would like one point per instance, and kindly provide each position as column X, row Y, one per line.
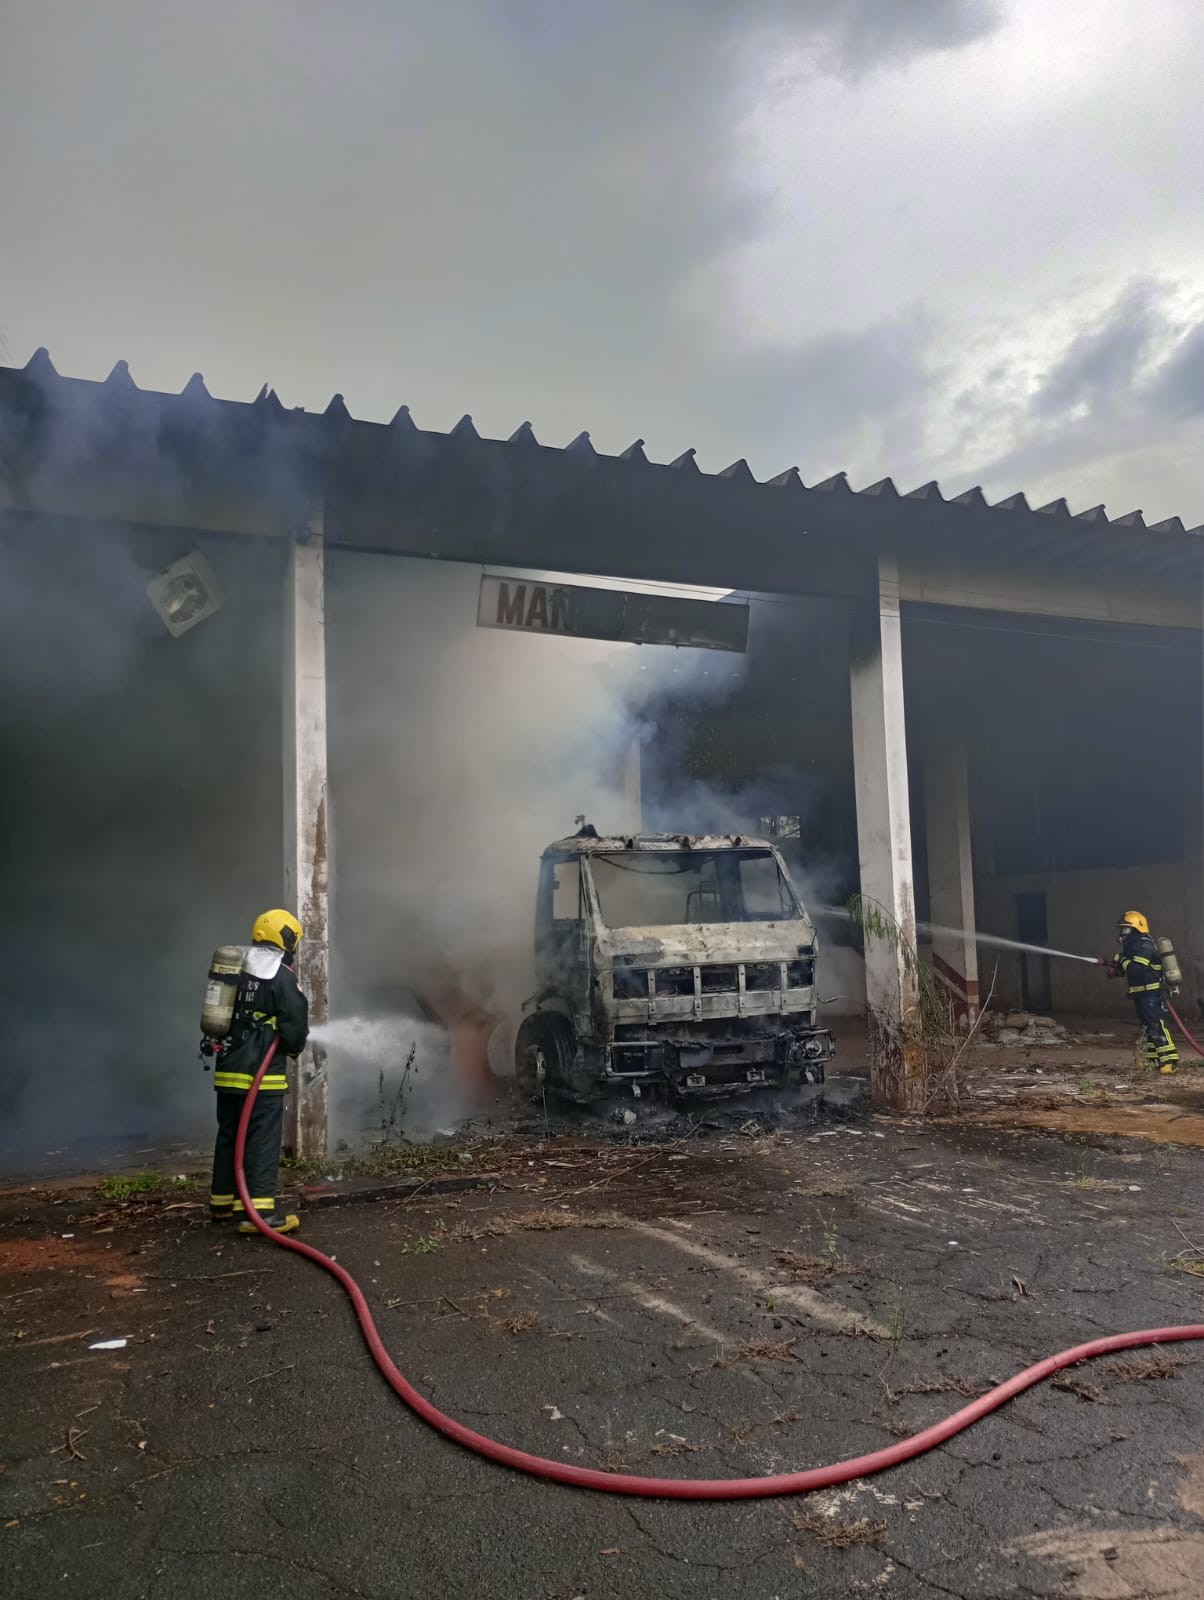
column 221, row 992
column 1170, row 963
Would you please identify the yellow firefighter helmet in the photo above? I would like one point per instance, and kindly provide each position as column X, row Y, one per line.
column 280, row 928
column 1134, row 919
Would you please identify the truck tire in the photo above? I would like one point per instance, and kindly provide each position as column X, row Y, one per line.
column 543, row 1054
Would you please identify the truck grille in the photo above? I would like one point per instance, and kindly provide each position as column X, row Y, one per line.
column 718, row 980
column 630, row 983
column 760, row 977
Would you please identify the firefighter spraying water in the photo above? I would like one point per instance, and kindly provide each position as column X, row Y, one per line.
column 252, row 1001
column 1150, row 969
column 1150, row 965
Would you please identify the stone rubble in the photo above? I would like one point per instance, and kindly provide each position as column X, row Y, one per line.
column 1012, row 1028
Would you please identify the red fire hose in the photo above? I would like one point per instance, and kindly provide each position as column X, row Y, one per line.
column 1183, row 1029
column 678, row 1488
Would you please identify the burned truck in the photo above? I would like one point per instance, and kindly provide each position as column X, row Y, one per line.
column 671, row 963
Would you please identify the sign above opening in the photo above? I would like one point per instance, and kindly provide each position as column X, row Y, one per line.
column 526, row 606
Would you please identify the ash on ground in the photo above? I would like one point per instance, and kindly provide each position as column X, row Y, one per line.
column 649, row 1120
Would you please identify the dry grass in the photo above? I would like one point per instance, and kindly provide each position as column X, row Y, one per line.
column 962, row 1386
column 538, row 1222
column 1151, row 1369
column 527, row 1322
column 809, row 1269
column 836, row 1535
column 897, row 1429
column 1079, row 1386
column 675, row 1446
column 756, row 1350
column 741, row 1432
column 1191, row 1264
column 825, row 1188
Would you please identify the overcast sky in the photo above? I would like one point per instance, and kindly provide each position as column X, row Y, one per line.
column 960, row 239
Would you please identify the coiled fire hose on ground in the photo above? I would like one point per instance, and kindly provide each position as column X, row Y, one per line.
column 676, row 1488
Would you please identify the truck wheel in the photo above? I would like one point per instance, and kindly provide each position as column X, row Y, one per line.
column 543, row 1053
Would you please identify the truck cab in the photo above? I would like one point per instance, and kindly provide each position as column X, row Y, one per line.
column 676, row 963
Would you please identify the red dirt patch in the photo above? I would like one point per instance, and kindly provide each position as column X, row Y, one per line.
column 1163, row 1124
column 19, row 1256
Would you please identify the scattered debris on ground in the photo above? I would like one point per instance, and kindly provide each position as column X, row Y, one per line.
column 1009, row 1029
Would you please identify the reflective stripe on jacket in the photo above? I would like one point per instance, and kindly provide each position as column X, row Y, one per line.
column 1140, row 962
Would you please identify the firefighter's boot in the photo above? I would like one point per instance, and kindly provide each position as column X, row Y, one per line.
column 279, row 1223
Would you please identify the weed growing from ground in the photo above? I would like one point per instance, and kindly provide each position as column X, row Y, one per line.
column 127, row 1186
column 896, row 1318
column 830, row 1253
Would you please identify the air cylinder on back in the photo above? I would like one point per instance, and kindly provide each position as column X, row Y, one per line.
column 1170, row 963
column 221, row 992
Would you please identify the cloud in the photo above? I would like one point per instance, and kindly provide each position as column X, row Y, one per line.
column 1177, row 391
column 1114, row 401
column 1097, row 372
column 852, row 398
column 862, row 34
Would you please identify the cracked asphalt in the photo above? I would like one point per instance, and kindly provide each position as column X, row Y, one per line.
column 713, row 1307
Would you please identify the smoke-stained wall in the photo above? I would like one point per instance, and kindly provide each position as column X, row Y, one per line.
column 139, row 822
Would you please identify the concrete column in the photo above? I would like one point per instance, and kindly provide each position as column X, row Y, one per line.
column 884, row 846
column 1191, row 956
column 951, row 872
column 633, row 806
column 305, row 815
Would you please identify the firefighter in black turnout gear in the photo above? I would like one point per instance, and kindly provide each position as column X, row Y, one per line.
column 270, row 1002
column 1138, row 961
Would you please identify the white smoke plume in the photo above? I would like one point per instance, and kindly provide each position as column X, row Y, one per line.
column 457, row 755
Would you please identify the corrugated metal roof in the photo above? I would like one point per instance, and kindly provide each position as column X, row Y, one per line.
column 396, row 486
column 40, row 370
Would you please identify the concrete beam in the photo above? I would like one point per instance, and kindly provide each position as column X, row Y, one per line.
column 971, row 582
column 306, row 837
column 951, row 871
column 884, row 847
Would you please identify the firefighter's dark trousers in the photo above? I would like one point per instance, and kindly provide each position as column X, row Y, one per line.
column 262, row 1155
column 1160, row 1048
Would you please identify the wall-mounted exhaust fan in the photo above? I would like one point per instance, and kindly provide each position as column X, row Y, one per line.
column 186, row 593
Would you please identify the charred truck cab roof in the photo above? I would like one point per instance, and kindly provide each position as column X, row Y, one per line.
column 672, row 961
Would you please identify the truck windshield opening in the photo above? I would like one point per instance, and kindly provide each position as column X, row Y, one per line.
column 644, row 888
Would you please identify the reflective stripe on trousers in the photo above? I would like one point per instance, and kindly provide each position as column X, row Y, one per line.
column 242, row 1081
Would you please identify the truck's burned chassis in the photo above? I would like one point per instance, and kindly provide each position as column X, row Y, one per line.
column 672, row 963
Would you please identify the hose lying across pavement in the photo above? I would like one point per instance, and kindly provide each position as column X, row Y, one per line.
column 677, row 1488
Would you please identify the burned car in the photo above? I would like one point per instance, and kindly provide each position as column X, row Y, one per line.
column 671, row 962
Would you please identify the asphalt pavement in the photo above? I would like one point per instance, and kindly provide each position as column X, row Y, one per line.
column 722, row 1306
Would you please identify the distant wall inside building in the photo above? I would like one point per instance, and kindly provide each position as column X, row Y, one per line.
column 1082, row 909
